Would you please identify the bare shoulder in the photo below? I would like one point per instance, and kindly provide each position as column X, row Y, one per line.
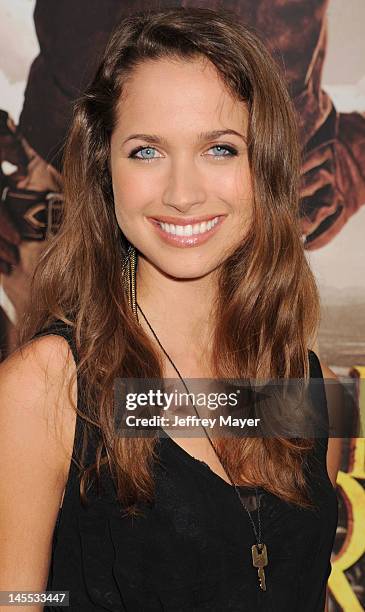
column 334, row 451
column 35, row 371
column 38, row 354
column 37, row 426
column 34, row 387
column 327, row 372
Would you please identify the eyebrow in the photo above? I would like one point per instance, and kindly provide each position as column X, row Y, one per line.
column 203, row 136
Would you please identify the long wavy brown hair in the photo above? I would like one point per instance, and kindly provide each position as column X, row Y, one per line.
column 267, row 310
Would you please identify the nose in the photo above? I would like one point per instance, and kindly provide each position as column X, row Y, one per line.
column 184, row 188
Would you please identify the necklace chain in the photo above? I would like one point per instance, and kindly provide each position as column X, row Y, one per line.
column 257, row 535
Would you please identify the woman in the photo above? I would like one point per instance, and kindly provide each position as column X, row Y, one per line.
column 179, row 254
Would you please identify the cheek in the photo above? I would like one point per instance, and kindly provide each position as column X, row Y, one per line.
column 131, row 194
column 132, row 182
column 235, row 187
column 242, row 198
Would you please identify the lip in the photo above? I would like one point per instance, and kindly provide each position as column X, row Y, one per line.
column 185, row 220
column 187, row 241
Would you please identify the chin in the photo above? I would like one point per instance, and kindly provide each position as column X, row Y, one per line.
column 182, row 273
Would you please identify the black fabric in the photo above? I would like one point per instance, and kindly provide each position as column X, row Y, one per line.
column 191, row 549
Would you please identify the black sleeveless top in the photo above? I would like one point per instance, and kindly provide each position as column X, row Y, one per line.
column 191, row 549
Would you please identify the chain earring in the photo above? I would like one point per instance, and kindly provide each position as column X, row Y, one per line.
column 129, row 268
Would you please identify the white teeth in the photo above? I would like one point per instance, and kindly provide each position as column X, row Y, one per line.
column 189, row 230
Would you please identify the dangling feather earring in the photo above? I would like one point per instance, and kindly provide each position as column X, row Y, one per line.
column 129, row 268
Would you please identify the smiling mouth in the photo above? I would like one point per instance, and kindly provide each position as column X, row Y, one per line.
column 188, row 229
column 188, row 234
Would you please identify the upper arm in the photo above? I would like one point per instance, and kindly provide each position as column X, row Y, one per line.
column 334, row 451
column 37, row 425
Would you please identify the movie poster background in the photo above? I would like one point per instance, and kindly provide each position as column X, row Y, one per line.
column 322, row 47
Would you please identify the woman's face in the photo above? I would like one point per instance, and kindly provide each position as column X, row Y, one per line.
column 179, row 158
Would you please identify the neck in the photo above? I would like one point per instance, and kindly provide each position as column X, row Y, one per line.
column 178, row 310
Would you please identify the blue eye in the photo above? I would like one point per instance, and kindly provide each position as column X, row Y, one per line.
column 224, row 151
column 148, row 153
column 147, row 157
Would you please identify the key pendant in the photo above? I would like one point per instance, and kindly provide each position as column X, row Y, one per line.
column 259, row 560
